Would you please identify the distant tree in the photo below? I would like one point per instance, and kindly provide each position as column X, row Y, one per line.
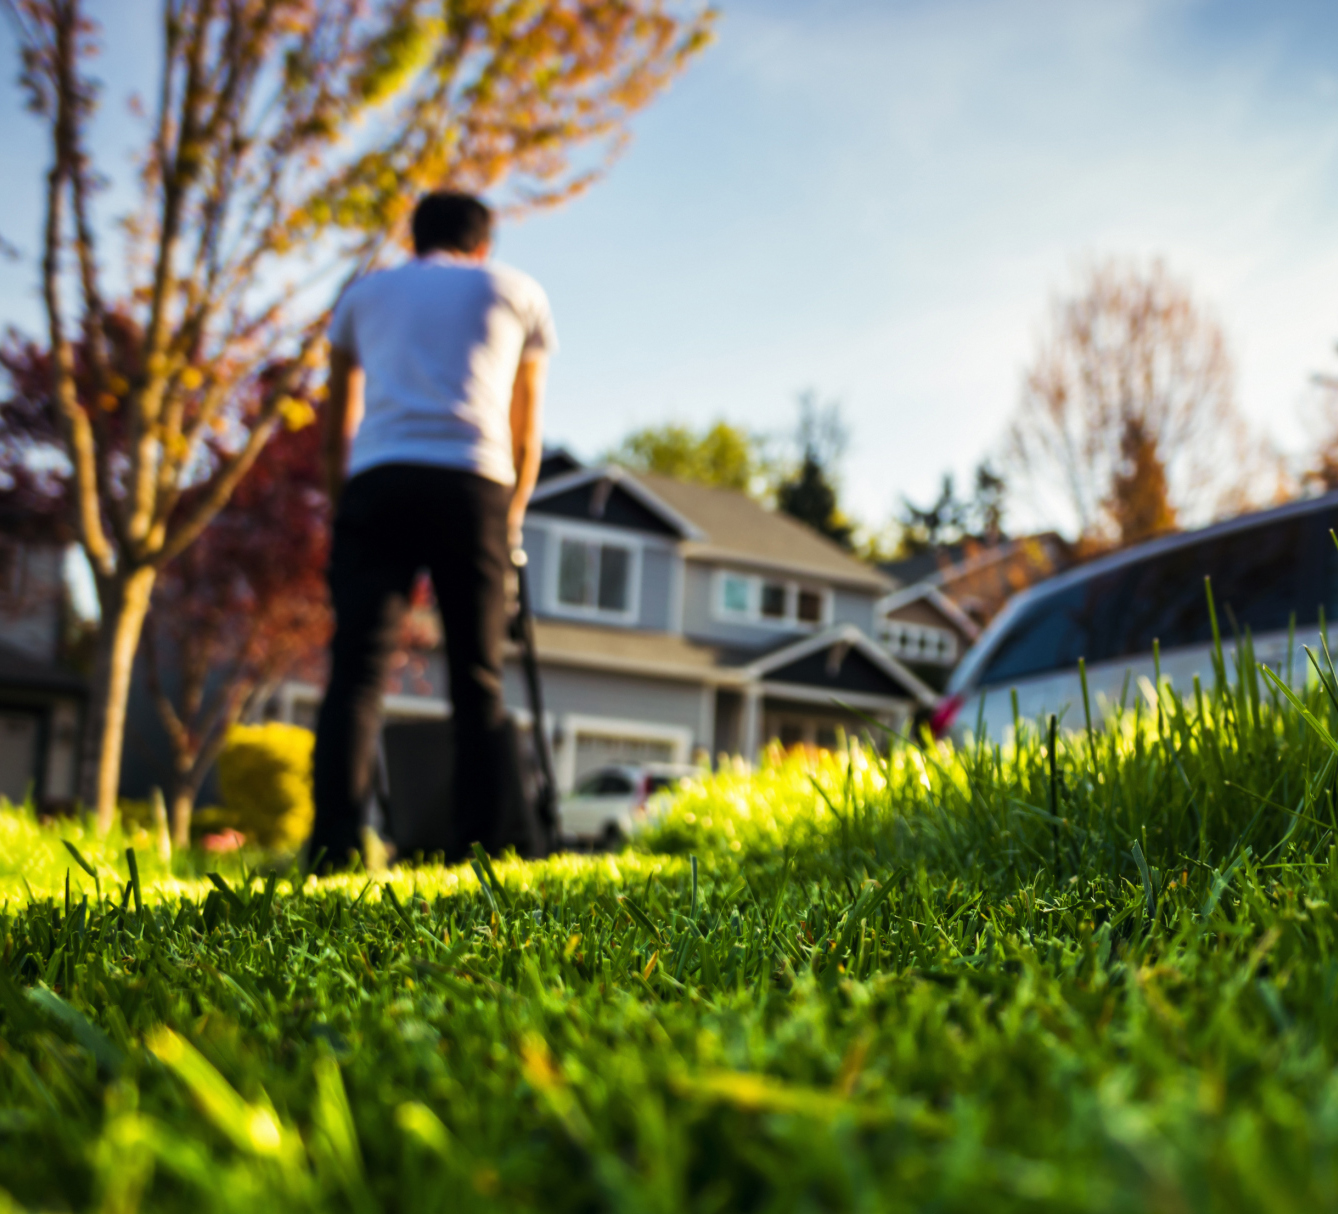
column 1140, row 498
column 722, row 455
column 950, row 519
column 988, row 504
column 287, row 143
column 1320, row 467
column 231, row 617
column 1128, row 419
column 809, row 491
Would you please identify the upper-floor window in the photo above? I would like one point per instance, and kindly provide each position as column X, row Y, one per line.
column 594, row 576
column 736, row 594
column 591, row 572
column 751, row 598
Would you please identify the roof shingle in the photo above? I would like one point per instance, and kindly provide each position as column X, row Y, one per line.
column 738, row 529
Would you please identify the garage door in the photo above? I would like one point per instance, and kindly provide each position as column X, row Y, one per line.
column 595, row 749
column 18, row 754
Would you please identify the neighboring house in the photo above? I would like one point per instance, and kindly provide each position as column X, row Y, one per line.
column 674, row 620
column 41, row 704
column 945, row 595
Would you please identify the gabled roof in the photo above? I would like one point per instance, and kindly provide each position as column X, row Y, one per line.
column 557, row 461
column 716, row 524
column 794, row 662
column 589, row 491
column 737, row 529
column 929, row 593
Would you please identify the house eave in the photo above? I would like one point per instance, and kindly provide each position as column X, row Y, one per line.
column 862, row 700
column 854, row 579
column 721, row 676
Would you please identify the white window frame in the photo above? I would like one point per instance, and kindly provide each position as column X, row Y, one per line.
column 908, row 641
column 557, row 532
column 789, row 622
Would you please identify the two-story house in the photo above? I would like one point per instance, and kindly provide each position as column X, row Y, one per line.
column 674, row 619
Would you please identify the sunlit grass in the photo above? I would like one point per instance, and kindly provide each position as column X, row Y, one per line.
column 953, row 979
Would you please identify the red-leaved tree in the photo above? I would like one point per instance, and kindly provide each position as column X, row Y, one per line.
column 237, row 611
column 240, row 610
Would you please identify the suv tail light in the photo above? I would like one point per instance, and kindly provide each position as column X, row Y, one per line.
column 942, row 718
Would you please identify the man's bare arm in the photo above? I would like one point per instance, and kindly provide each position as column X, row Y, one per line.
column 341, row 416
column 527, row 402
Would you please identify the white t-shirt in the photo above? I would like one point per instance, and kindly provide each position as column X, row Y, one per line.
column 439, row 340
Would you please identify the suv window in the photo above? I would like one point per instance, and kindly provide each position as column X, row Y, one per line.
column 656, row 784
column 1053, row 632
column 604, row 784
column 610, row 784
column 1260, row 577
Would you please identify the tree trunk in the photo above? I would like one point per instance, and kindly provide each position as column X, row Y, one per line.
column 183, row 805
column 188, row 777
column 124, row 605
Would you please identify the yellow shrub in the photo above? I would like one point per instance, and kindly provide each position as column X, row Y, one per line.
column 264, row 774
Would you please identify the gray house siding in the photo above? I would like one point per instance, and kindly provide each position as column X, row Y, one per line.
column 851, row 607
column 538, row 544
column 700, row 621
column 657, row 583
column 634, row 699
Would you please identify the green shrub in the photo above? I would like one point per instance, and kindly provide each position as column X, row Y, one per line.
column 264, row 774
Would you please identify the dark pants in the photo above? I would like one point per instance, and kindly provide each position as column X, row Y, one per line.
column 391, row 522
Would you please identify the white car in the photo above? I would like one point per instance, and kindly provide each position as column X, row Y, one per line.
column 613, row 802
column 1274, row 575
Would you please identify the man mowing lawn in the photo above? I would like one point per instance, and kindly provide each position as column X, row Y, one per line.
column 431, row 451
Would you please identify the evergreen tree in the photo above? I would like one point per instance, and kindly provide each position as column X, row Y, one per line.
column 810, row 494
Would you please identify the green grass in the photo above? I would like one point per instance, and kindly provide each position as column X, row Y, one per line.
column 955, row 980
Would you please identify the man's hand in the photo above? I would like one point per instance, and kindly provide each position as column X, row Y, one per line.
column 340, row 420
column 527, row 399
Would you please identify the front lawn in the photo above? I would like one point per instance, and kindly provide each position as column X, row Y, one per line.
column 949, row 981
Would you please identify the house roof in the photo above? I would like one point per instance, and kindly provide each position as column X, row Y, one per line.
column 929, row 593
column 716, row 524
column 613, row 496
column 596, row 646
column 666, row 655
column 19, row 672
column 736, row 528
column 943, row 565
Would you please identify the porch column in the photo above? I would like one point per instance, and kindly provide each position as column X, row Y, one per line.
column 706, row 723
column 750, row 742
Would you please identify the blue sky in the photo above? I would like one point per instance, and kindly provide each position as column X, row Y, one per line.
column 877, row 200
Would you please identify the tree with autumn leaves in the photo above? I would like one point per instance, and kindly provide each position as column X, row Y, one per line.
column 285, row 147
column 1128, row 420
column 233, row 616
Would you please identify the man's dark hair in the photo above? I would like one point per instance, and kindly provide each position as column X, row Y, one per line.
column 456, row 223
